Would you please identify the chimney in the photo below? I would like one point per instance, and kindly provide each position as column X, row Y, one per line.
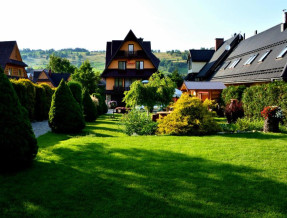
column 218, row 43
column 255, row 32
column 284, row 24
column 50, row 73
column 243, row 36
column 140, row 39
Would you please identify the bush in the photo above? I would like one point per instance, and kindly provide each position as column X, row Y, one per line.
column 26, row 93
column 18, row 145
column 103, row 108
column 246, row 124
column 232, row 92
column 41, row 102
column 190, row 117
column 140, row 123
column 65, row 114
column 89, row 108
column 76, row 89
column 233, row 111
column 49, row 93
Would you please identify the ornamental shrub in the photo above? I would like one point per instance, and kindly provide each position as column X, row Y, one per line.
column 247, row 124
column 233, row 111
column 18, row 145
column 140, row 123
column 232, row 92
column 103, row 108
column 89, row 108
column 76, row 89
column 26, row 92
column 190, row 117
column 41, row 102
column 49, row 93
column 65, row 115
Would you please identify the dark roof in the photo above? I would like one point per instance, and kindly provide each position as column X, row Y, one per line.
column 271, row 68
column 114, row 46
column 6, row 49
column 55, row 78
column 132, row 73
column 201, row 55
column 219, row 56
column 204, row 85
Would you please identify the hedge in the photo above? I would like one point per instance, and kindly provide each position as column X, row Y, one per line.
column 76, row 89
column 232, row 92
column 89, row 107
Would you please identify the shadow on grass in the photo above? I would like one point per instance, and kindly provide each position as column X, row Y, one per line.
column 257, row 135
column 97, row 180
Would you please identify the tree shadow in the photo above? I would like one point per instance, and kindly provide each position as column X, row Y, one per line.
column 256, row 135
column 98, row 180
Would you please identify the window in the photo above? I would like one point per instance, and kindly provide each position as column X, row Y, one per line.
column 122, row 65
column 128, row 82
column 139, row 65
column 10, row 71
column 225, row 65
column 19, row 72
column 131, row 48
column 234, row 63
column 264, row 56
column 282, row 53
column 118, row 82
column 250, row 59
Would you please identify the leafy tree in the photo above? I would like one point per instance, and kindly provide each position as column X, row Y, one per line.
column 157, row 91
column 176, row 78
column 90, row 109
column 60, row 65
column 18, row 145
column 65, row 114
column 86, row 76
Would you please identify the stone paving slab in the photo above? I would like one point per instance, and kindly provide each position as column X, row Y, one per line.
column 40, row 128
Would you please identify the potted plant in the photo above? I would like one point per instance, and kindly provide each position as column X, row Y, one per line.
column 272, row 115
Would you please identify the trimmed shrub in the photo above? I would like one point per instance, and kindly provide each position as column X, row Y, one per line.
column 40, row 104
column 233, row 111
column 246, row 124
column 232, row 92
column 103, row 108
column 140, row 123
column 76, row 89
column 190, row 117
column 49, row 93
column 18, row 145
column 26, row 92
column 65, row 114
column 89, row 108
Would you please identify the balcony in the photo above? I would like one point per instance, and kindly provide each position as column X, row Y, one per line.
column 121, row 89
column 131, row 54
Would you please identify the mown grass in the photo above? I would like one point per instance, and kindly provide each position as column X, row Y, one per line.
column 104, row 173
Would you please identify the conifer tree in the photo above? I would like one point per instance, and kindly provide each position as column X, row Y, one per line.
column 18, row 145
column 65, row 114
column 90, row 109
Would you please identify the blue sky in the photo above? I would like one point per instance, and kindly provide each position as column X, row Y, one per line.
column 168, row 24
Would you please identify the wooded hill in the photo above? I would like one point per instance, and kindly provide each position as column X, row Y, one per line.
column 38, row 59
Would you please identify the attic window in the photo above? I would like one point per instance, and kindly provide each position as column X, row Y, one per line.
column 225, row 65
column 250, row 59
column 264, row 56
column 234, row 63
column 282, row 53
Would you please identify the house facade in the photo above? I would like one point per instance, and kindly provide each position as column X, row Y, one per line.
column 196, row 61
column 49, row 78
column 127, row 60
column 11, row 61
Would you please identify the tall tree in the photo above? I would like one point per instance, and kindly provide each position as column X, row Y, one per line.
column 176, row 78
column 60, row 65
column 87, row 77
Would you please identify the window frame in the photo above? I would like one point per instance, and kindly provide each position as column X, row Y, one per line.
column 250, row 59
column 225, row 65
column 121, row 62
column 138, row 65
column 129, row 51
column 234, row 63
column 264, row 56
column 282, row 53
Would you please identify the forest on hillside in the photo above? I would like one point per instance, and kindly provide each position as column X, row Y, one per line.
column 39, row 59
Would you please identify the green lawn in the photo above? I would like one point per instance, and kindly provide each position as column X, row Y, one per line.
column 104, row 173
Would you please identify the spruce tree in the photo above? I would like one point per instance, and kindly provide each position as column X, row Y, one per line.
column 65, row 114
column 18, row 145
column 90, row 110
column 76, row 89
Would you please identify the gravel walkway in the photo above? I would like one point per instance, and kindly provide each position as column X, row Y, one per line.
column 40, row 128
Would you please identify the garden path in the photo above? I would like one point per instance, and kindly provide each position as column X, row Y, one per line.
column 40, row 128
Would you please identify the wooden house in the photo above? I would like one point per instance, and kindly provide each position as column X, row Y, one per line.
column 203, row 90
column 127, row 60
column 49, row 78
column 11, row 61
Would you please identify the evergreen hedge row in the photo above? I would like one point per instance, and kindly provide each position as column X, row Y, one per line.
column 36, row 99
column 76, row 89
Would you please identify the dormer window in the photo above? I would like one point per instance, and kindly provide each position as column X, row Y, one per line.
column 250, row 59
column 264, row 56
column 282, row 53
column 131, row 49
column 122, row 65
column 234, row 63
column 139, row 65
